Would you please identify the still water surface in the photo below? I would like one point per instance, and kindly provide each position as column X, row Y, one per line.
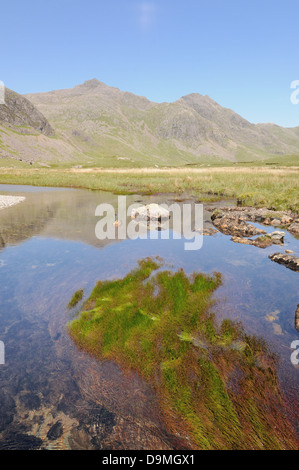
column 54, row 396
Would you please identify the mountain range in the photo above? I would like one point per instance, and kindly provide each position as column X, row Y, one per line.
column 94, row 124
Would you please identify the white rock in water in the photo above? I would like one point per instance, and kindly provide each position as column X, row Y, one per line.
column 150, row 212
column 277, row 236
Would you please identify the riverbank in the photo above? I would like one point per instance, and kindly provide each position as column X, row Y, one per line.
column 274, row 188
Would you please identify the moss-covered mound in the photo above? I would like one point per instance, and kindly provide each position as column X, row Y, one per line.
column 215, row 383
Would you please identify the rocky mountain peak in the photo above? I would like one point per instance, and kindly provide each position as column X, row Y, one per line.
column 93, row 83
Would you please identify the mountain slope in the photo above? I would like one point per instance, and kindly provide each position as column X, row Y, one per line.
column 105, row 122
column 99, row 125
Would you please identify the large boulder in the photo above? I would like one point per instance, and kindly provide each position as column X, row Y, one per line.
column 149, row 212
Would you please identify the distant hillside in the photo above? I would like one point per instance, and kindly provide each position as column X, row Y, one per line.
column 26, row 135
column 99, row 125
column 106, row 122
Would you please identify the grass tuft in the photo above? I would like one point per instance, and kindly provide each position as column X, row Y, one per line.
column 78, row 295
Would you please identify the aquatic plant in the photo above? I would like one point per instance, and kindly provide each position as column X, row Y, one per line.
column 216, row 384
column 78, row 295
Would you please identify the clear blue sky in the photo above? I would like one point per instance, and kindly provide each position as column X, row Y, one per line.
column 242, row 53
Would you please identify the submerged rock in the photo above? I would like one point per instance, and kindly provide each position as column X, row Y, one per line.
column 274, row 238
column 243, row 241
column 55, row 432
column 289, row 261
column 294, row 228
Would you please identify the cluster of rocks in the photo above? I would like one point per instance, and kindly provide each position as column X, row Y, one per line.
column 233, row 222
column 286, row 219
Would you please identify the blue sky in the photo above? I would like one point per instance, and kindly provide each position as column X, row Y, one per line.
column 243, row 54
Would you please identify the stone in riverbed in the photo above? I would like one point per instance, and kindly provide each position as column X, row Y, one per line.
column 286, row 220
column 232, row 224
column 277, row 237
column 217, row 214
column 150, row 212
column 243, row 241
column 289, row 261
column 275, row 222
column 294, row 228
column 55, row 432
column 260, row 242
column 207, row 231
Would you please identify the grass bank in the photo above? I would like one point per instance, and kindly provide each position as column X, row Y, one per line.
column 214, row 382
column 275, row 188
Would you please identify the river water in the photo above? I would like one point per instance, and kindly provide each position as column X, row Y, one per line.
column 54, row 396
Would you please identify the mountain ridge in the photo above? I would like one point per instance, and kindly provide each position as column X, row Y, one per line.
column 102, row 125
column 185, row 130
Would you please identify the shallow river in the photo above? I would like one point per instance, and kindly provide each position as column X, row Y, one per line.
column 56, row 397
